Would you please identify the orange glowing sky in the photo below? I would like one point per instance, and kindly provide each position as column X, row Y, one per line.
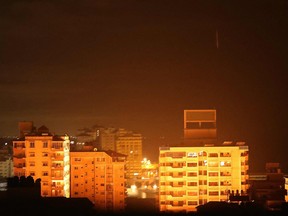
column 139, row 64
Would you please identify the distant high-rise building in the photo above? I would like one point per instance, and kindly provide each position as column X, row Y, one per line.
column 108, row 139
column 122, row 141
column 200, row 127
column 99, row 177
column 130, row 144
column 191, row 176
column 43, row 155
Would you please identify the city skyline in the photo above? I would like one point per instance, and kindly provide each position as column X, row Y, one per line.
column 138, row 65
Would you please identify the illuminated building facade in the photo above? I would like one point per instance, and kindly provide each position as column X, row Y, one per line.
column 6, row 163
column 42, row 155
column 130, row 144
column 191, row 176
column 100, row 178
column 200, row 127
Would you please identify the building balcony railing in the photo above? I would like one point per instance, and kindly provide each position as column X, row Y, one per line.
column 19, row 147
column 57, row 149
column 57, row 158
column 57, row 187
column 57, row 177
column 19, row 166
column 225, row 184
column 225, row 154
column 175, row 186
column 57, row 167
column 19, row 156
column 175, row 206
column 177, row 195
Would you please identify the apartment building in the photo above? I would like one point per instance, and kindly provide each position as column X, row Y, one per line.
column 40, row 154
column 6, row 162
column 100, row 178
column 191, row 176
column 6, row 167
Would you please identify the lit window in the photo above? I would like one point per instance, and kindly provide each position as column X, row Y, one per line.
column 192, row 154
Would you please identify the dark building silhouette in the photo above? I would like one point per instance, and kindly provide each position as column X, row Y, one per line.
column 23, row 197
column 268, row 189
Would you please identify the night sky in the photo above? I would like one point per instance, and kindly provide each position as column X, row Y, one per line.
column 137, row 64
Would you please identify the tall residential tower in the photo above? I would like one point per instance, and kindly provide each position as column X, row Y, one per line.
column 43, row 155
column 99, row 177
column 201, row 170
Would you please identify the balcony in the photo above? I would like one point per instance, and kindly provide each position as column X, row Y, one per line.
column 57, row 157
column 175, row 185
column 58, row 187
column 177, row 195
column 19, row 156
column 225, row 154
column 57, row 167
column 57, row 149
column 19, row 166
column 19, row 147
column 57, row 177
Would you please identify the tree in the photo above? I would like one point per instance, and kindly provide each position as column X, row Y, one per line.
column 22, row 181
column 29, row 181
